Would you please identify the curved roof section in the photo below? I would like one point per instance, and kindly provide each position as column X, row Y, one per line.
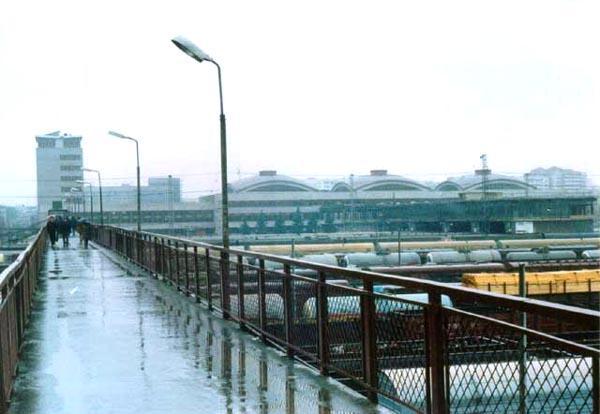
column 379, row 180
column 474, row 182
column 269, row 181
column 341, row 187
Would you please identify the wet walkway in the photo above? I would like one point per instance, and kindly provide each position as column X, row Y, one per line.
column 104, row 338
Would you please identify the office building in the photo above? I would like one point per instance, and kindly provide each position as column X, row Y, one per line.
column 59, row 160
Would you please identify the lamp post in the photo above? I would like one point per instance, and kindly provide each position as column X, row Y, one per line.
column 137, row 152
column 196, row 53
column 100, row 189
column 76, row 190
column 91, row 198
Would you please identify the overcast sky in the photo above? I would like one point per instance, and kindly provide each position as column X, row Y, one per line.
column 311, row 88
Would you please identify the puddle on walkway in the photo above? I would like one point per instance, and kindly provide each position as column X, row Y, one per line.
column 102, row 341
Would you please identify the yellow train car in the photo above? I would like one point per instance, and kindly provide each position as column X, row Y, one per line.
column 537, row 283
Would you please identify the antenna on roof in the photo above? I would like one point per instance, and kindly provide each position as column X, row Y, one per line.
column 484, row 172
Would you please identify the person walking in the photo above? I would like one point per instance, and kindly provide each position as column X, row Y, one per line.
column 64, row 230
column 85, row 230
column 51, row 228
column 73, row 224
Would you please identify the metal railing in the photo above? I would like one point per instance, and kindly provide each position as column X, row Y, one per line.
column 17, row 286
column 436, row 349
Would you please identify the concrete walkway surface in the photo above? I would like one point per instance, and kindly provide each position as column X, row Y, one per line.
column 106, row 338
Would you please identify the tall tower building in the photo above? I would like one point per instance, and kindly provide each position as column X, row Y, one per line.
column 59, row 163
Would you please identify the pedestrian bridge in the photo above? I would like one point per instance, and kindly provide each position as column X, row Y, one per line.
column 147, row 323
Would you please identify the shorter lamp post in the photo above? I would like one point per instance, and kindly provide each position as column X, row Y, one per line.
column 137, row 151
column 100, row 189
column 79, row 199
column 91, row 199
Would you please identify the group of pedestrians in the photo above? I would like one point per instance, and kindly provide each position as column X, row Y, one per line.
column 59, row 226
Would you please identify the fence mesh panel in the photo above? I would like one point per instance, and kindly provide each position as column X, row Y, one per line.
column 214, row 280
column 201, row 283
column 274, row 303
column 344, row 330
column 489, row 372
column 401, row 353
column 304, row 295
column 251, row 298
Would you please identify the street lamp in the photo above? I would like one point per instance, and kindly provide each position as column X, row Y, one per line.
column 76, row 190
column 137, row 151
column 91, row 198
column 100, row 187
column 196, row 53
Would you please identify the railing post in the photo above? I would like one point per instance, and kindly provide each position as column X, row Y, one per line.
column 141, row 245
column 156, row 256
column 177, row 270
column 208, row 281
column 596, row 385
column 288, row 312
column 162, row 258
column 169, row 264
column 369, row 338
column 522, row 346
column 262, row 306
column 225, row 284
column 3, row 362
column 435, row 343
column 197, row 273
column 241, row 292
column 322, row 321
column 187, row 270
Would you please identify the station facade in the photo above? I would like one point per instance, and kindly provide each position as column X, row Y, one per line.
column 273, row 203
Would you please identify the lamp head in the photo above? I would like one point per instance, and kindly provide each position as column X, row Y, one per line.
column 116, row 134
column 190, row 49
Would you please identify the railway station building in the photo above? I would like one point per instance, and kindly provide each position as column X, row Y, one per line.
column 274, row 203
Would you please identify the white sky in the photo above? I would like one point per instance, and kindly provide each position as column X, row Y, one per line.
column 311, row 88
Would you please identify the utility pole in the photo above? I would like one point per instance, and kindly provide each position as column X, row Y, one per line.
column 171, row 213
column 484, row 172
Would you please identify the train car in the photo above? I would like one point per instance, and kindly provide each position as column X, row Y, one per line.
column 273, row 301
column 538, row 243
column 540, row 256
column 591, row 254
column 446, row 257
column 484, row 256
column 340, row 308
column 365, row 260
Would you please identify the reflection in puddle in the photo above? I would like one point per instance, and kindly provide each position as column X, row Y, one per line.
column 249, row 376
column 100, row 341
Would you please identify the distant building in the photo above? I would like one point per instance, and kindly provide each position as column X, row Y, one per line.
column 163, row 189
column 555, row 178
column 160, row 191
column 59, row 160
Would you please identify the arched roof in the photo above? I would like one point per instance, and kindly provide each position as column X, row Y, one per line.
column 380, row 180
column 474, row 182
column 448, row 186
column 341, row 187
column 269, row 181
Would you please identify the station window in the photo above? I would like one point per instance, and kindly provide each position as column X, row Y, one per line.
column 70, row 167
column 70, row 177
column 70, row 157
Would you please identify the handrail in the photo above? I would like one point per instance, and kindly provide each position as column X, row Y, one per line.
column 576, row 315
column 18, row 262
column 430, row 356
column 18, row 283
